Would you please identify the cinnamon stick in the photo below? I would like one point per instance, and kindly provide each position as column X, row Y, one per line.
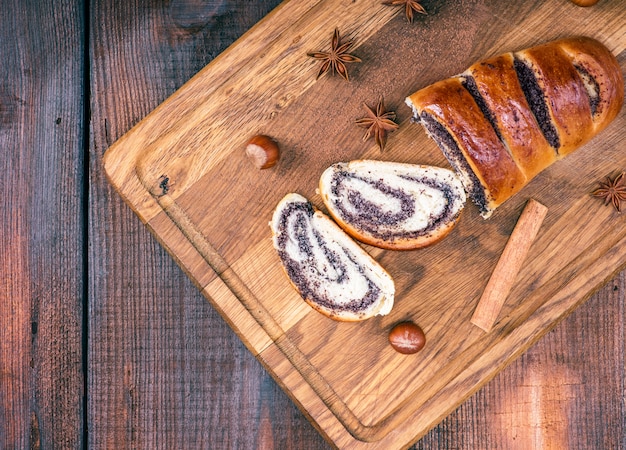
column 509, row 264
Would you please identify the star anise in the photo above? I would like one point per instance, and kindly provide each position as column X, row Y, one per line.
column 612, row 191
column 409, row 7
column 378, row 123
column 337, row 57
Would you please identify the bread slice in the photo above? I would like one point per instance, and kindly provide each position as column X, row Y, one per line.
column 331, row 271
column 393, row 205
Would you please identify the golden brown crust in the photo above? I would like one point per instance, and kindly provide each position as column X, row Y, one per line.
column 519, row 112
column 603, row 66
column 397, row 244
column 345, row 283
column 454, row 108
column 497, row 81
column 567, row 98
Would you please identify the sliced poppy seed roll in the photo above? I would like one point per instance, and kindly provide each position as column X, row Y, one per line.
column 331, row 271
column 393, row 205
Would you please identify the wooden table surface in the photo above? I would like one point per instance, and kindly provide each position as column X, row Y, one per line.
column 104, row 341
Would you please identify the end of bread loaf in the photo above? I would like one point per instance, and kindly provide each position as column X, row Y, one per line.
column 505, row 119
column 601, row 75
column 332, row 273
column 393, row 205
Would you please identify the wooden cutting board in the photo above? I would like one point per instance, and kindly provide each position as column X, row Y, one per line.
column 183, row 171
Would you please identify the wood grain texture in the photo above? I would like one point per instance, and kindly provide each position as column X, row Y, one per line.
column 508, row 266
column 132, row 349
column 41, row 223
column 165, row 370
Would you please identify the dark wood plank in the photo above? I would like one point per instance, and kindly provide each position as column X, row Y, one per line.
column 41, row 242
column 565, row 392
column 165, row 370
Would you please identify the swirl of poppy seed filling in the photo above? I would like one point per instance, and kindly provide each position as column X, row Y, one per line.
column 399, row 206
column 323, row 270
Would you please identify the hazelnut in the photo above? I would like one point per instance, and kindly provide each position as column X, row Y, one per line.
column 407, row 338
column 263, row 151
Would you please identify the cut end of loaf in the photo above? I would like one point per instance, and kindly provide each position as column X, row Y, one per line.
column 453, row 154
